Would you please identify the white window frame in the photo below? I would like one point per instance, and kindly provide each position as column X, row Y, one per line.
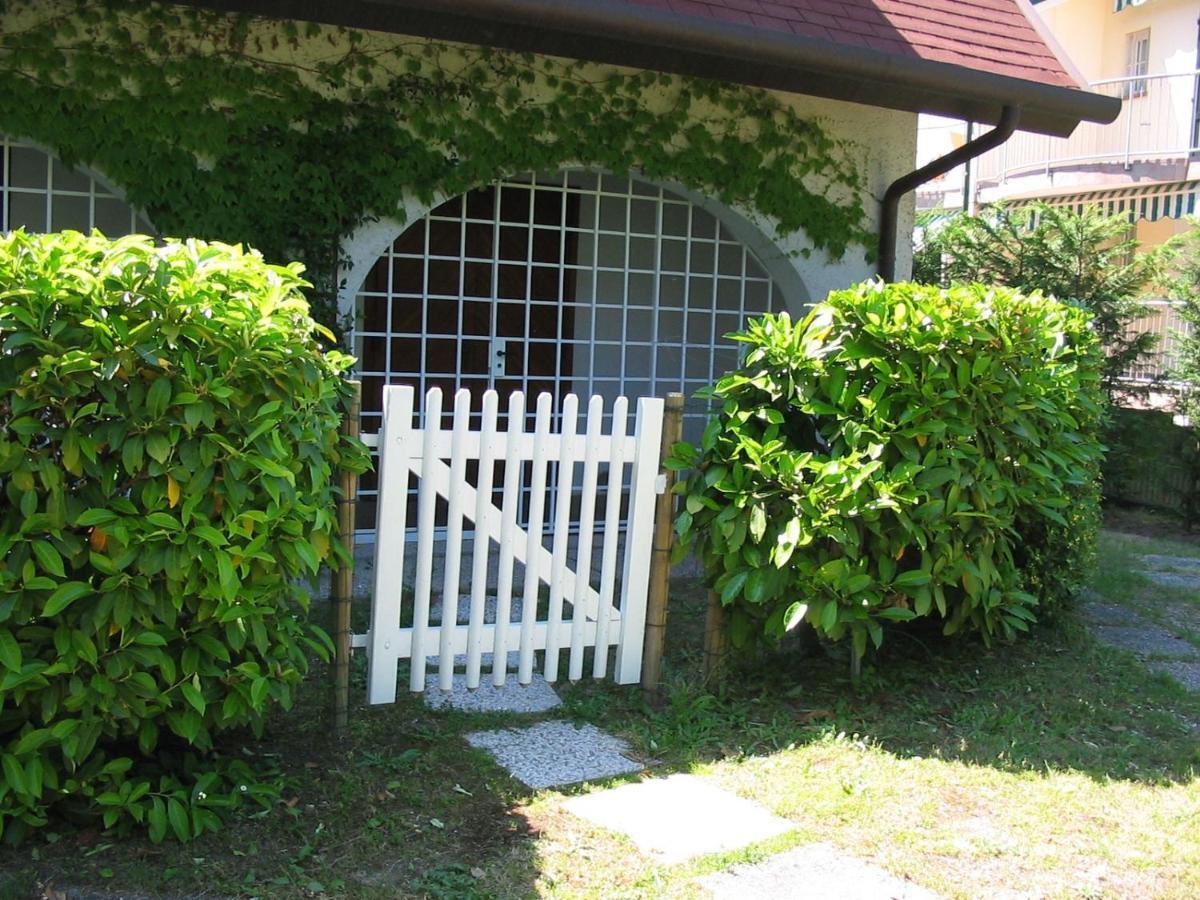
column 734, row 297
column 96, row 190
column 1137, row 63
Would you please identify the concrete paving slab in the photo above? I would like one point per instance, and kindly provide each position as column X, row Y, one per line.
column 550, row 754
column 537, row 696
column 812, row 872
column 1149, row 640
column 1183, row 563
column 679, row 817
column 1186, row 673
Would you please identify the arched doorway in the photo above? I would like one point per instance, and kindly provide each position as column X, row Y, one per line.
column 574, row 282
column 41, row 194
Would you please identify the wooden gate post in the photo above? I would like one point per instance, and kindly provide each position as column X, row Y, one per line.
column 716, row 640
column 660, row 561
column 343, row 582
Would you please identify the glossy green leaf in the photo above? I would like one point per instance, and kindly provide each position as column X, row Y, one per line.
column 10, row 651
column 64, row 596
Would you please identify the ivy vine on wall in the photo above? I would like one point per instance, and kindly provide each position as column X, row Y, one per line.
column 288, row 136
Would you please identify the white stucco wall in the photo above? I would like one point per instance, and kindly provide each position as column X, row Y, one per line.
column 883, row 148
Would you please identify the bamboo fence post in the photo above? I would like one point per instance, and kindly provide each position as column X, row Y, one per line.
column 660, row 560
column 343, row 581
column 716, row 640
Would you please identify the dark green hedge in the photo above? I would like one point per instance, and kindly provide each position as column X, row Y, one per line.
column 168, row 447
column 1150, row 459
column 903, row 451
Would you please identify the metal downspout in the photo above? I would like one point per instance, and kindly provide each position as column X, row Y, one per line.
column 1009, row 119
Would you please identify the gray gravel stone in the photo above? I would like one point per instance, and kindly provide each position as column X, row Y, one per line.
column 489, row 609
column 1186, row 673
column 812, row 872
column 1102, row 613
column 1176, row 580
column 549, row 754
column 1186, row 563
column 433, row 663
column 535, row 697
column 1183, row 616
column 1149, row 640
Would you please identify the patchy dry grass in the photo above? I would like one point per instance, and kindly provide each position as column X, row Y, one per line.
column 1054, row 767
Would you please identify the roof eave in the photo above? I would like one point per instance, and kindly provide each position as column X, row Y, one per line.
column 603, row 31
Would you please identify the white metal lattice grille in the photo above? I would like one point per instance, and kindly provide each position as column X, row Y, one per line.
column 40, row 193
column 573, row 282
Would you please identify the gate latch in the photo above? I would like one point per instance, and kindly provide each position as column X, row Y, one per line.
column 499, row 356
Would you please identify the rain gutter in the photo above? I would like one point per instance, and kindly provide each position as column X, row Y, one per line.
column 629, row 34
column 1010, row 117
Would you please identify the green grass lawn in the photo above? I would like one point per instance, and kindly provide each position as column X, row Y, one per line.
column 1174, row 608
column 1054, row 767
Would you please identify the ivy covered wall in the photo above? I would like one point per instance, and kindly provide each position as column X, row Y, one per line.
column 293, row 137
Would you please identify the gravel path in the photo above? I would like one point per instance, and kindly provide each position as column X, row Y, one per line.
column 1163, row 648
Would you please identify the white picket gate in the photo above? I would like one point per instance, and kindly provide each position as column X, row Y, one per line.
column 438, row 459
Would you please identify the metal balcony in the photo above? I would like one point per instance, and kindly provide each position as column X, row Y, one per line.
column 1158, row 123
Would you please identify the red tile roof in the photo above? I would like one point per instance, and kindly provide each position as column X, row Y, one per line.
column 988, row 35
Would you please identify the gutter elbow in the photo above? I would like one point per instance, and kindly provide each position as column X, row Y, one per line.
column 1009, row 119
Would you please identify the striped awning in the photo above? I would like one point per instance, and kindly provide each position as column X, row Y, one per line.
column 1163, row 200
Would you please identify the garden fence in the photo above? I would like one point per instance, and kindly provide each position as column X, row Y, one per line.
column 1162, row 319
column 460, row 473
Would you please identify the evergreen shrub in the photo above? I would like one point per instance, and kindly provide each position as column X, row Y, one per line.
column 168, row 450
column 904, row 451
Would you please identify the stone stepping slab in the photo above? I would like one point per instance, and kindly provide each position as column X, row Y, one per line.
column 433, row 663
column 535, row 697
column 1102, row 613
column 1187, row 563
column 1187, row 582
column 489, row 617
column 551, row 754
column 1183, row 616
column 1186, row 673
column 812, row 872
column 679, row 817
column 1148, row 640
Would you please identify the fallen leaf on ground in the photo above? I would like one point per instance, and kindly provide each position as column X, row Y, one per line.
column 815, row 715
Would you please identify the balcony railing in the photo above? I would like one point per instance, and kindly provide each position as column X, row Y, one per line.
column 1163, row 319
column 1157, row 123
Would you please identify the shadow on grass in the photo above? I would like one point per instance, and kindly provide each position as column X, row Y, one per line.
column 401, row 806
column 1053, row 701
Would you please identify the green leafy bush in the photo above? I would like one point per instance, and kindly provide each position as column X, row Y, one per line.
column 1083, row 258
column 903, row 451
column 1182, row 280
column 168, row 444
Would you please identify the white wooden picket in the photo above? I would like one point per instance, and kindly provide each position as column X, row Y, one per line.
column 438, row 459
